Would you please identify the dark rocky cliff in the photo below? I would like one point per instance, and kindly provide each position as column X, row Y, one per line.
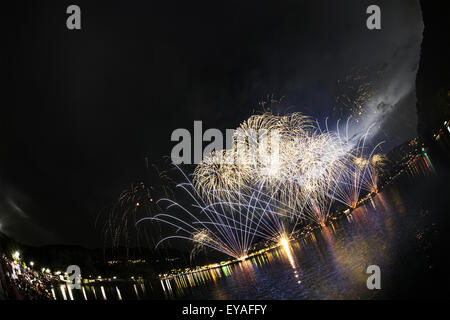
column 433, row 76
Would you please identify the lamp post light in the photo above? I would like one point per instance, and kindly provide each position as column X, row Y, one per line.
column 16, row 255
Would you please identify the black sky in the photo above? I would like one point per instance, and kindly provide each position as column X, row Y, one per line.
column 81, row 109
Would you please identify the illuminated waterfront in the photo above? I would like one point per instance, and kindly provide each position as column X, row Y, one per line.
column 396, row 230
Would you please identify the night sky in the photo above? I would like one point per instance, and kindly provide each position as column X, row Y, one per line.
column 81, row 110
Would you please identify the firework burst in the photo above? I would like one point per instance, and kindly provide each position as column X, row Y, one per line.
column 281, row 171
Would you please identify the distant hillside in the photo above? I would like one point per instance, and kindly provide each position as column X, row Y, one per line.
column 121, row 262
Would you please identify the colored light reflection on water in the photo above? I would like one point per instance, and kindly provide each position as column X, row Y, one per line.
column 328, row 263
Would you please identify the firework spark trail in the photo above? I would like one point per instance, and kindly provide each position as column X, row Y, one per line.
column 375, row 167
column 262, row 189
column 118, row 221
column 230, row 226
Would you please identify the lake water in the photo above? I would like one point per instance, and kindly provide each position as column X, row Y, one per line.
column 403, row 230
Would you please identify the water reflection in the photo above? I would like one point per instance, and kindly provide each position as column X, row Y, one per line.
column 328, row 263
column 63, row 291
column 119, row 295
column 288, row 252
